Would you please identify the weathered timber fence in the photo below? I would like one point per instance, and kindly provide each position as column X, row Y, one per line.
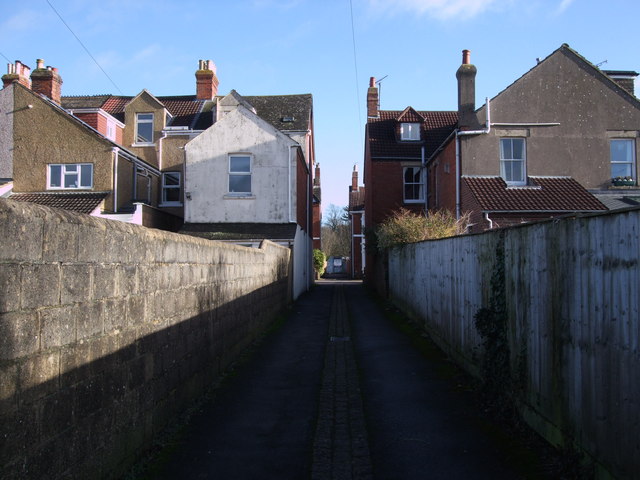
column 568, row 295
column 108, row 330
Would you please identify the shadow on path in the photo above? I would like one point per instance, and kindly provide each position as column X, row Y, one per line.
column 336, row 392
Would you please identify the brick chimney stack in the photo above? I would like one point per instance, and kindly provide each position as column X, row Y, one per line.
column 372, row 99
column 206, row 80
column 46, row 81
column 316, row 176
column 354, row 179
column 17, row 72
column 466, row 76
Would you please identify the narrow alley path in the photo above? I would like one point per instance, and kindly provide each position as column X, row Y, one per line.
column 337, row 392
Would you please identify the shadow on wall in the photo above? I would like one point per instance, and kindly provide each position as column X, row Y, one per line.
column 107, row 396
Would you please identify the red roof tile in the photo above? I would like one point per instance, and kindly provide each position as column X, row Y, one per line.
column 81, row 202
column 542, row 194
column 383, row 143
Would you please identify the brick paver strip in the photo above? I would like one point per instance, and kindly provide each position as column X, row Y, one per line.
column 341, row 450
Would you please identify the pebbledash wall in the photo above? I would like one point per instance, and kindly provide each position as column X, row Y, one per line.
column 108, row 330
column 569, row 290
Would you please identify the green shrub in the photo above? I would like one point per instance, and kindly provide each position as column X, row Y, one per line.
column 319, row 261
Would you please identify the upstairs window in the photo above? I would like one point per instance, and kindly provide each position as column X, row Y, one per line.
column 171, row 188
column 413, row 185
column 623, row 158
column 240, row 174
column 512, row 160
column 409, row 131
column 144, row 128
column 70, row 176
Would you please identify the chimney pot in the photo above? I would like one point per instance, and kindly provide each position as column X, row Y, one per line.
column 466, row 57
column 372, row 82
column 40, row 63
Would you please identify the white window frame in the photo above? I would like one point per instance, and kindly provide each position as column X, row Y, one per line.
column 66, row 170
column 165, row 188
column 139, row 121
column 410, row 132
column 504, row 160
column 419, row 183
column 237, row 173
column 631, row 163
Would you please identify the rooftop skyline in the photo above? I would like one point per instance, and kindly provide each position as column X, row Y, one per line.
column 328, row 49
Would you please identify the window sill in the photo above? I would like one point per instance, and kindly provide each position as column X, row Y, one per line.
column 413, row 201
column 143, row 144
column 70, row 189
column 171, row 204
column 239, row 196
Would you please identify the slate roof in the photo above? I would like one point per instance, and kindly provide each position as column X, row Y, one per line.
column 241, row 231
column 188, row 111
column 383, row 142
column 617, row 201
column 542, row 194
column 81, row 202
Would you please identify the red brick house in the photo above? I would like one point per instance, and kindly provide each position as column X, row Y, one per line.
column 397, row 144
column 356, row 222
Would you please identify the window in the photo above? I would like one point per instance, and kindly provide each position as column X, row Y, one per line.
column 171, row 188
column 240, row 174
column 413, row 187
column 622, row 158
column 70, row 175
column 410, row 131
column 144, row 128
column 512, row 160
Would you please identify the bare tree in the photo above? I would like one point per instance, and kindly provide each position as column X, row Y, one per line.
column 336, row 232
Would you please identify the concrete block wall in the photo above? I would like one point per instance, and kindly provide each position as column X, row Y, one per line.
column 107, row 330
column 572, row 312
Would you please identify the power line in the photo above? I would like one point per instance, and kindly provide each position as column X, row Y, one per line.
column 355, row 65
column 85, row 48
column 3, row 56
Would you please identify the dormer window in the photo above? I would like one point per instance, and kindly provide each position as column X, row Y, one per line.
column 144, row 128
column 410, row 131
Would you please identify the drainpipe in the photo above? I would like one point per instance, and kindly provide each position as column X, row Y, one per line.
column 423, row 169
column 115, row 151
column 460, row 133
column 289, row 189
column 486, row 217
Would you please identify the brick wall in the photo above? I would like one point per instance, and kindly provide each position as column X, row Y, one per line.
column 108, row 330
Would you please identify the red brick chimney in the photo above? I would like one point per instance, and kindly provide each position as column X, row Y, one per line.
column 46, row 81
column 372, row 99
column 466, row 76
column 206, row 80
column 354, row 179
column 17, row 72
column 316, row 176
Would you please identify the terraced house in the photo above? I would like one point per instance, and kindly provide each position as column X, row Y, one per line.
column 230, row 168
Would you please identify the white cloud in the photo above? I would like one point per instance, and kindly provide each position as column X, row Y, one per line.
column 440, row 9
column 564, row 4
column 22, row 21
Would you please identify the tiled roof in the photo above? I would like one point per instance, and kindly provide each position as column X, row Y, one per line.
column 285, row 112
column 81, row 202
column 542, row 194
column 356, row 199
column 383, row 143
column 240, row 231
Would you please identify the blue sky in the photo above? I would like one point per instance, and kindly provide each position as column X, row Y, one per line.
column 270, row 47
